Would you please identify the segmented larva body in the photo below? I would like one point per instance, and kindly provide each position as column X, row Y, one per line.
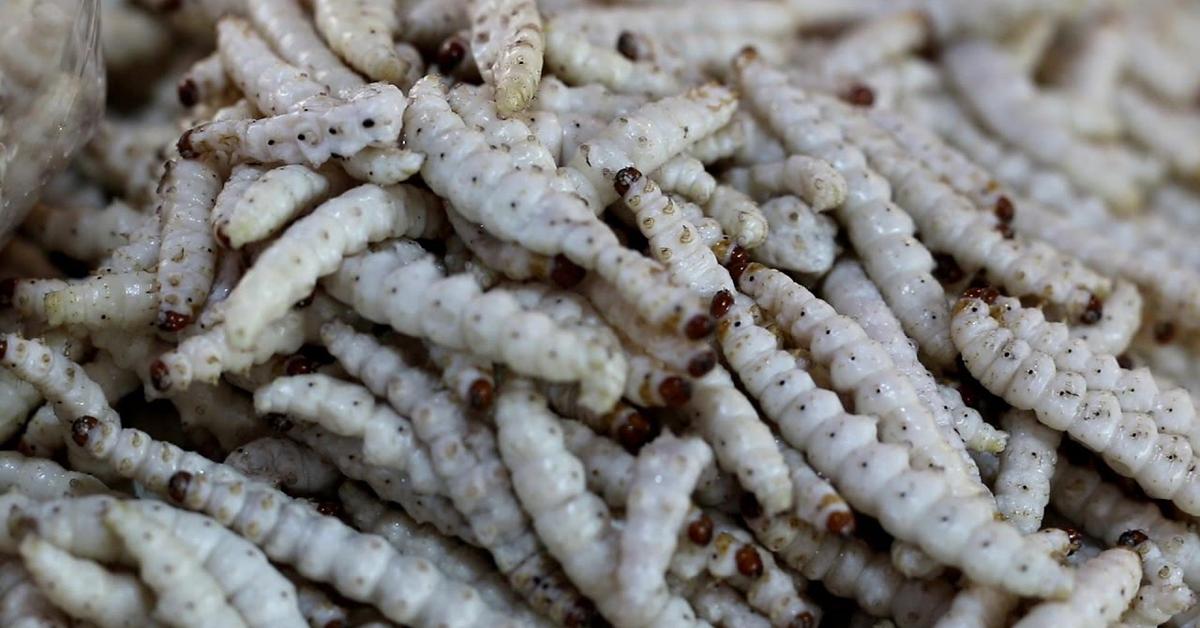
column 57, row 378
column 43, row 479
column 1114, row 412
column 140, row 253
column 83, row 233
column 125, row 300
column 1022, row 488
column 577, row 61
column 470, row 377
column 427, row 23
column 284, row 464
column 286, row 25
column 555, row 96
column 609, row 467
column 512, row 260
column 361, row 32
column 383, row 165
column 1162, row 594
column 659, row 497
column 652, row 384
column 1162, row 128
column 240, row 179
column 812, row 179
column 287, row 271
column 274, row 86
column 273, row 199
column 474, row 176
column 86, row 590
column 873, row 42
column 858, row 366
column 187, row 257
column 311, row 133
column 798, row 239
column 879, row 230
column 1105, row 512
column 1118, row 324
column 508, row 46
column 738, row 215
column 685, row 175
column 722, row 143
column 1105, row 586
column 185, row 593
column 28, row 296
column 816, row 502
column 351, row 410
column 22, row 604
column 316, row 607
column 848, row 568
column 721, row 605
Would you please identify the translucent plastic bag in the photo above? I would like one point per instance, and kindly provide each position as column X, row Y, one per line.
column 51, row 94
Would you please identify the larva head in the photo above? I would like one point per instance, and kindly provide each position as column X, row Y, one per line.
column 565, row 273
column 840, row 523
column 480, row 394
column 859, row 95
column 178, row 485
column 747, row 56
column 1075, row 538
column 675, row 391
column 451, row 53
column 1132, row 538
column 172, row 322
column 722, row 301
column 625, row 179
column 8, row 288
column 700, row 531
column 749, row 563
column 160, row 375
column 699, row 327
column 702, row 363
column 189, row 94
column 739, row 262
column 186, row 149
column 81, row 429
column 1093, row 312
column 628, row 45
column 1005, row 210
column 635, row 431
column 300, row 364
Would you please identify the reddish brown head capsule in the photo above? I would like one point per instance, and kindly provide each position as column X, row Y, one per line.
column 8, row 289
column 451, row 53
column 946, row 269
column 81, row 429
column 565, row 273
column 702, row 363
column 700, row 531
column 859, row 95
column 987, row 294
column 1005, row 210
column 1164, row 332
column 186, row 150
column 627, row 45
column 177, row 486
column 699, row 326
column 675, row 391
column 480, row 394
column 160, row 375
column 625, row 179
column 300, row 365
column 840, row 523
column 189, row 94
column 173, row 321
column 749, row 506
column 1093, row 312
column 749, row 563
column 739, row 259
column 803, row 620
column 635, row 432
column 1132, row 538
column 722, row 301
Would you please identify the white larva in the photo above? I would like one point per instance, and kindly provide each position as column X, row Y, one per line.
column 86, row 590
column 798, row 238
column 287, row 271
column 316, row 607
column 812, row 179
column 1105, row 587
column 722, row 605
column 469, row 377
column 240, row 179
column 361, row 32
column 272, row 85
column 1162, row 594
column 738, row 215
column 205, row 82
column 1114, row 412
column 185, row 594
column 83, row 233
column 508, row 45
column 879, row 230
column 312, row 134
column 472, row 176
column 28, row 296
column 43, row 479
column 217, row 412
column 123, row 300
column 22, row 604
column 609, row 467
column 816, row 501
column 594, row 100
column 427, row 23
column 1117, row 325
column 659, row 497
column 1022, row 488
column 722, row 143
column 386, row 165
column 1165, row 130
column 577, row 61
column 685, row 175
column 874, row 42
column 513, row 260
column 286, row 25
column 140, row 253
column 272, row 200
column 651, row 384
column 351, row 410
column 187, row 258
column 230, row 268
column 285, row 464
column 57, row 378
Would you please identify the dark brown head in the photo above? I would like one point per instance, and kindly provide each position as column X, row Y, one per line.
column 635, row 431
column 699, row 327
column 739, row 260
column 189, row 94
column 1093, row 312
column 840, row 523
column 186, row 150
column 480, row 394
column 178, row 485
column 627, row 45
column 173, row 321
column 722, row 301
column 451, row 53
column 625, row 178
column 299, row 364
column 859, row 95
column 81, row 429
column 1132, row 538
column 702, row 363
column 987, row 294
column 1005, row 210
column 565, row 273
column 160, row 375
column 749, row 563
column 675, row 391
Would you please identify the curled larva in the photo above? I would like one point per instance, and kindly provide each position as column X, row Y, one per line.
column 187, row 257
column 140, row 253
column 285, row 24
column 881, row 232
column 508, row 45
column 685, row 175
column 738, row 215
column 812, row 179
column 312, row 134
column 272, row 200
column 274, row 86
column 1163, row 593
column 1022, row 488
column 22, row 604
column 383, row 165
column 1105, row 586
column 240, row 179
column 1121, row 318
column 798, row 238
column 361, row 32
column 85, row 589
column 123, row 300
column 284, row 463
column 83, row 233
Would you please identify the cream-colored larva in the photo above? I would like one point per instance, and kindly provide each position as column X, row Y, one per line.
column 879, row 230
column 738, row 215
column 685, row 175
column 816, row 501
column 798, row 238
column 187, row 257
column 185, row 594
column 57, row 378
column 722, row 605
column 651, row 383
column 83, row 233
column 1114, row 412
column 1117, row 325
column 1022, row 488
column 274, row 199
column 470, row 377
column 508, row 45
column 86, row 590
column 1105, row 587
column 1167, row 131
column 454, row 312
column 351, row 410
column 512, row 260
column 274, row 86
column 472, row 175
column 555, row 96
column 204, row 82
column 1160, row 64
column 1091, row 75
column 609, row 467
column 316, row 607
column 659, row 497
column 43, row 479
column 427, row 23
column 312, row 134
column 386, row 165
column 579, row 62
column 1163, row 593
column 240, row 179
column 285, row 24
column 812, row 179
column 22, row 604
column 123, row 300
column 140, row 253
column 873, row 42
column 28, row 296
column 574, row 524
column 361, row 32
column 287, row 271
column 285, row 464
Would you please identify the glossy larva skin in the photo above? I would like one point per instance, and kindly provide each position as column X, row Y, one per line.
column 659, row 497
column 1120, row 322
column 22, row 604
column 311, row 133
column 285, row 464
column 205, row 81
column 274, row 199
column 555, row 96
column 272, row 85
column 43, row 479
column 877, row 228
column 509, row 259
column 1105, row 586
column 185, row 593
column 29, row 296
column 738, row 215
column 812, row 179
column 140, row 253
column 187, row 258
column 124, row 300
column 462, row 370
column 387, row 165
column 286, row 25
column 979, row 607
column 685, row 175
column 722, row 143
column 471, row 175
column 722, row 605
column 240, row 179
column 798, row 238
column 609, row 467
column 816, row 501
column 361, row 32
column 578, row 62
column 86, row 590
column 287, row 271
column 1162, row 594
column 83, row 233
column 57, row 378
column 1117, row 413
column 509, row 47
column 848, row 568
column 1022, row 488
